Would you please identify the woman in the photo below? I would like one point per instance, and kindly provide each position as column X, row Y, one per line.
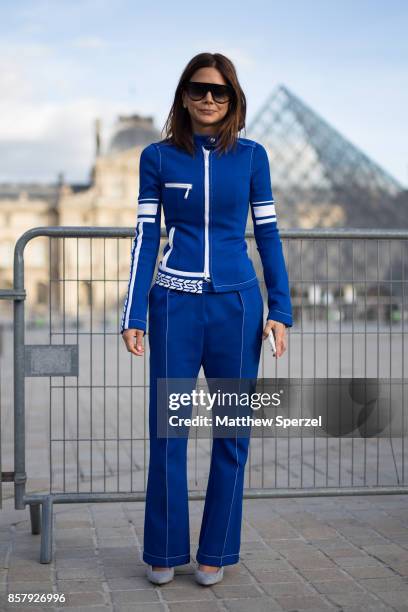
column 205, row 306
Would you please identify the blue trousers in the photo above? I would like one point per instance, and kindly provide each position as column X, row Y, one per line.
column 223, row 333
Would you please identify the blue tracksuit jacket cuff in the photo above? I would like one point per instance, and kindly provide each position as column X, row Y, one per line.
column 135, row 324
column 282, row 317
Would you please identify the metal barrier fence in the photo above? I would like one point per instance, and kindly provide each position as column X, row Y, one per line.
column 86, row 398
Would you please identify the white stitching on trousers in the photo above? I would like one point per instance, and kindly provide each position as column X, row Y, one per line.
column 219, row 556
column 171, row 557
column 236, row 436
column 167, row 430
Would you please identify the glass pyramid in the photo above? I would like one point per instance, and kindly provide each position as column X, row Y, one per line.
column 319, row 178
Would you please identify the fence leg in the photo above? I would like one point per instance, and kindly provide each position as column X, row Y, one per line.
column 35, row 516
column 46, row 530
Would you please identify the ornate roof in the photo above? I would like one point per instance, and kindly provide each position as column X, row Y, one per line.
column 132, row 131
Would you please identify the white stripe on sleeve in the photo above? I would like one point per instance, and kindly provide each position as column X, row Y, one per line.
column 264, row 211
column 266, row 220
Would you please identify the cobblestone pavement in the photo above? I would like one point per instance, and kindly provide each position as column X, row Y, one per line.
column 332, row 553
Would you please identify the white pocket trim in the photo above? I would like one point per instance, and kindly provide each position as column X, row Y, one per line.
column 186, row 186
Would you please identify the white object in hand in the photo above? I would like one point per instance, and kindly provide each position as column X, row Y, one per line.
column 271, row 339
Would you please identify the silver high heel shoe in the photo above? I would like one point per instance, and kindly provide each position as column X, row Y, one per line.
column 160, row 576
column 208, row 578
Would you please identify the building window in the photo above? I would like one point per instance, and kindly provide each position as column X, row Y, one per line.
column 42, row 293
column 87, row 291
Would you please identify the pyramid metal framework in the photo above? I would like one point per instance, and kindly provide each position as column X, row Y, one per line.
column 313, row 165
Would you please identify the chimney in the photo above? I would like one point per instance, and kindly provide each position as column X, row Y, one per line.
column 97, row 137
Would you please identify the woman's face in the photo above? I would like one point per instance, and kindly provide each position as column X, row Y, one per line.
column 206, row 113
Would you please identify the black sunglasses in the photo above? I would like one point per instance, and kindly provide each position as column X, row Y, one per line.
column 220, row 93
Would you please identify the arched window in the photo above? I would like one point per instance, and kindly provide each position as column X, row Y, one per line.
column 42, row 293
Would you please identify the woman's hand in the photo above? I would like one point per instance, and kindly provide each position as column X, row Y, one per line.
column 129, row 335
column 279, row 333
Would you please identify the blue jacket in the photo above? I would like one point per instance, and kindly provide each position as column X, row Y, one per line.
column 205, row 201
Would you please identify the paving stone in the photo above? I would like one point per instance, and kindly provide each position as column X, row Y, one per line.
column 337, row 586
column 388, row 552
column 332, row 573
column 144, row 607
column 369, row 539
column 255, row 547
column 29, row 587
column 284, row 548
column 110, row 520
column 113, row 531
column 344, row 551
column 137, row 596
column 375, row 585
column 72, row 573
column 320, row 532
column 377, row 607
column 276, row 576
column 394, row 598
column 79, row 586
column 182, row 581
column 231, row 592
column 199, row 606
column 347, row 562
column 86, row 598
column 316, row 561
column 120, row 555
column 370, row 572
column 354, row 599
column 304, row 602
column 30, row 574
column 5, row 606
column 30, row 562
column 74, row 562
column 74, row 553
column 128, row 584
column 87, row 608
column 113, row 542
column 195, row 593
column 84, row 543
column 258, row 554
column 357, row 604
column 123, row 572
column 65, row 523
column 287, row 588
column 72, row 533
column 267, row 565
column 235, row 578
column 124, row 564
column 261, row 604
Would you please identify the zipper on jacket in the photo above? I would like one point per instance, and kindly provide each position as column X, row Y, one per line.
column 187, row 186
column 206, row 213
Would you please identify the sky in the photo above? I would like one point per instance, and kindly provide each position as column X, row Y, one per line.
column 65, row 63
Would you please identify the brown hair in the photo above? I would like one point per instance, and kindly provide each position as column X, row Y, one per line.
column 178, row 129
